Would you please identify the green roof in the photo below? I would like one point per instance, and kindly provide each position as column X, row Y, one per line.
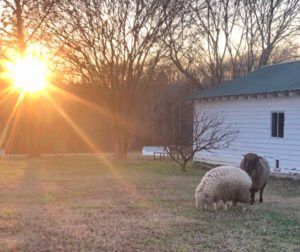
column 274, row 78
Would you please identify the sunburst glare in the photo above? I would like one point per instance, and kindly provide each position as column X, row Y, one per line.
column 28, row 74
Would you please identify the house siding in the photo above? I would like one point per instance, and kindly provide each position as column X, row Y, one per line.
column 252, row 118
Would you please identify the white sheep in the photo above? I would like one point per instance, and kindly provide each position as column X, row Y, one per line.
column 226, row 183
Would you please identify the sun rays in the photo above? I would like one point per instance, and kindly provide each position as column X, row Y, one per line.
column 128, row 187
column 27, row 88
column 23, row 76
column 11, row 122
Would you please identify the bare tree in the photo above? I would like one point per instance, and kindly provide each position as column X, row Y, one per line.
column 116, row 45
column 217, row 40
column 203, row 42
column 273, row 22
column 23, row 23
column 209, row 133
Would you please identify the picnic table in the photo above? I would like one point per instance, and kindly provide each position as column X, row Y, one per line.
column 160, row 153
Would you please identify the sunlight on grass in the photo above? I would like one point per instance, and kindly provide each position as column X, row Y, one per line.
column 7, row 212
column 80, row 202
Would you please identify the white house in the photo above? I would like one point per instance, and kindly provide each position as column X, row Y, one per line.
column 264, row 106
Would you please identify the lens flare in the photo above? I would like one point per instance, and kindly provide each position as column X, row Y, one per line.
column 28, row 74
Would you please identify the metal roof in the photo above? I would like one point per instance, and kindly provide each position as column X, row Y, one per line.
column 273, row 78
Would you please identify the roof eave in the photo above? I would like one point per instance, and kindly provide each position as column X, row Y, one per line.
column 249, row 96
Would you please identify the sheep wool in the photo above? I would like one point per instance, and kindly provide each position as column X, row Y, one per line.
column 226, row 183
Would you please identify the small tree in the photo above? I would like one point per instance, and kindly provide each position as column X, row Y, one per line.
column 209, row 133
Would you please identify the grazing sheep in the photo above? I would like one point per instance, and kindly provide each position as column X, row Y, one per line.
column 259, row 170
column 226, row 183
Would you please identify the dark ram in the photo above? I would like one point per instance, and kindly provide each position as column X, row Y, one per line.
column 259, row 170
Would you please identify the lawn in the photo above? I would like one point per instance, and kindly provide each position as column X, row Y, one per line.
column 82, row 203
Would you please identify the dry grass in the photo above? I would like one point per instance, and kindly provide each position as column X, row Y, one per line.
column 82, row 204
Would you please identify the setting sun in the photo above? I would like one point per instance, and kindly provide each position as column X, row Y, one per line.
column 28, row 74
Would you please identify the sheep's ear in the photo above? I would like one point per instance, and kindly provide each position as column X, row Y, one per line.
column 244, row 155
column 258, row 157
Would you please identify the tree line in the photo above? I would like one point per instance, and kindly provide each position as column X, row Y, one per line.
column 127, row 58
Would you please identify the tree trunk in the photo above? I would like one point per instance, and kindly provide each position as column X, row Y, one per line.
column 265, row 56
column 183, row 166
column 20, row 32
column 121, row 149
column 121, row 125
column 121, row 141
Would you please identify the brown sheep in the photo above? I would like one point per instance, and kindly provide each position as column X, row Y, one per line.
column 259, row 170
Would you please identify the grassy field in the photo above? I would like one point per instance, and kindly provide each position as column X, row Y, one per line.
column 81, row 203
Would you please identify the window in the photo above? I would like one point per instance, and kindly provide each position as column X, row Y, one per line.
column 277, row 124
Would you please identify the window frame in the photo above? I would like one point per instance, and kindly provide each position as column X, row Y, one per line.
column 271, row 122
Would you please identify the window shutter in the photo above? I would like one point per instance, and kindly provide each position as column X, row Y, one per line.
column 281, row 125
column 274, row 124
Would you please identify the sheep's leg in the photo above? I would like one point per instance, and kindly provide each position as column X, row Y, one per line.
column 197, row 203
column 244, row 207
column 261, row 193
column 215, row 206
column 252, row 197
column 224, row 205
